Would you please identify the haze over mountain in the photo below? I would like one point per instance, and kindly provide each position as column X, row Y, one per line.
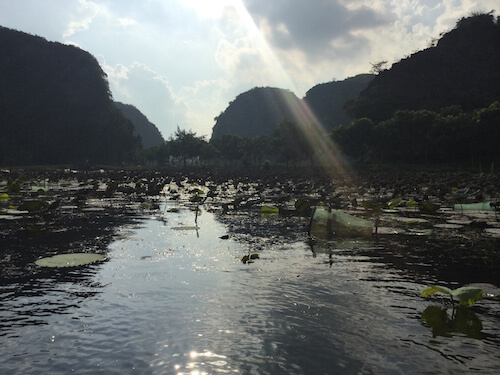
column 149, row 133
column 56, row 107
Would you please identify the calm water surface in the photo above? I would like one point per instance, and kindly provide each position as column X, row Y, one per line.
column 173, row 300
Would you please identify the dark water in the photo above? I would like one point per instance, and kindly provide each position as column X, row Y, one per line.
column 175, row 300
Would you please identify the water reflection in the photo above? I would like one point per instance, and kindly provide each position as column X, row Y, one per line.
column 462, row 320
column 36, row 301
column 198, row 361
column 168, row 301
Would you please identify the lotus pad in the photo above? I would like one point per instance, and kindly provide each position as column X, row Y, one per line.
column 70, row 260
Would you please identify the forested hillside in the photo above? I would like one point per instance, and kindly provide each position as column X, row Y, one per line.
column 257, row 112
column 441, row 104
column 149, row 133
column 461, row 69
column 327, row 100
column 56, row 107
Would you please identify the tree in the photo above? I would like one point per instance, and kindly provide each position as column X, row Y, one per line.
column 291, row 142
column 229, row 147
column 186, row 145
column 377, row 67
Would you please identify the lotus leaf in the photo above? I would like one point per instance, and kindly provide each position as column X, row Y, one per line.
column 393, row 203
column 185, row 228
column 428, row 208
column 412, row 204
column 70, row 260
column 434, row 289
column 31, row 206
column 269, row 210
column 466, row 295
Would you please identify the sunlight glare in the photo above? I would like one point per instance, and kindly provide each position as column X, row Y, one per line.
column 209, row 9
column 327, row 151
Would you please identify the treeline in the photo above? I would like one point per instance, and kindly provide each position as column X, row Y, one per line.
column 287, row 145
column 416, row 136
column 439, row 105
column 409, row 136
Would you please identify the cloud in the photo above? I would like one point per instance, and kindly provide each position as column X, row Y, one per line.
column 311, row 27
column 181, row 62
column 89, row 10
column 150, row 92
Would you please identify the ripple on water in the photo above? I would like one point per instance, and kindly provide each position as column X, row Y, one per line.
column 180, row 301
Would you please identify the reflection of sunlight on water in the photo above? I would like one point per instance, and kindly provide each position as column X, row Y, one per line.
column 199, row 359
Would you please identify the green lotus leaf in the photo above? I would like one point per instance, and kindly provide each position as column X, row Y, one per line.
column 31, row 206
column 467, row 296
column 428, row 208
column 393, row 203
column 412, row 203
column 371, row 206
column 434, row 289
column 70, row 260
column 269, row 210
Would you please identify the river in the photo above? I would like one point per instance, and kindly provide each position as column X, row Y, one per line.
column 175, row 298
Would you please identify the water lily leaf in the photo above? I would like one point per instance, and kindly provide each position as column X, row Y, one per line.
column 467, row 296
column 428, row 208
column 70, row 260
column 31, row 206
column 303, row 207
column 269, row 210
column 412, row 204
column 13, row 187
column 195, row 198
column 393, row 203
column 4, row 197
column 371, row 206
column 434, row 289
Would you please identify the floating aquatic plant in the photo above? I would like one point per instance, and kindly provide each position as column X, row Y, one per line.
column 393, row 203
column 249, row 258
column 70, row 260
column 428, row 208
column 467, row 296
column 269, row 210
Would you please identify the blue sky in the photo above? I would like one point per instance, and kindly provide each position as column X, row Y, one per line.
column 181, row 62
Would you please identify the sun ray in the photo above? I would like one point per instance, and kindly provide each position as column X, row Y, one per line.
column 328, row 153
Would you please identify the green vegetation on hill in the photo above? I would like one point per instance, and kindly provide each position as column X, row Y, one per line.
column 441, row 104
column 257, row 112
column 56, row 106
column 327, row 100
column 461, row 69
column 149, row 133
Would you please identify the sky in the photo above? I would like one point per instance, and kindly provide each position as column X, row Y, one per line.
column 181, row 62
